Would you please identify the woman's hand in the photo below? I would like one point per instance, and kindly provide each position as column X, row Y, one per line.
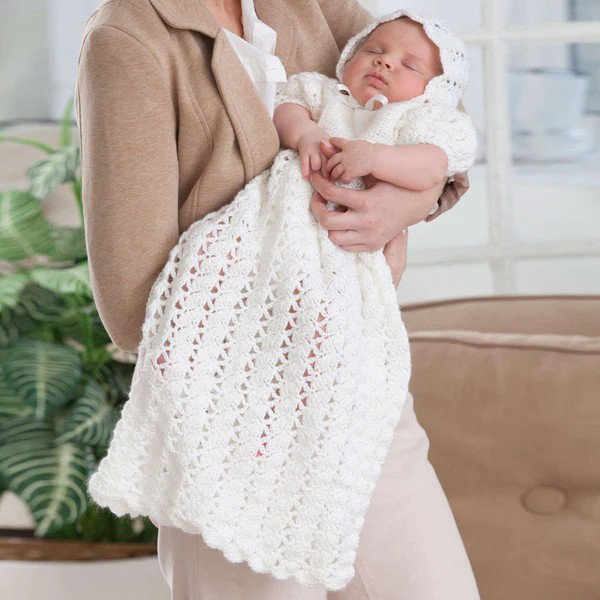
column 373, row 216
column 451, row 195
column 396, row 253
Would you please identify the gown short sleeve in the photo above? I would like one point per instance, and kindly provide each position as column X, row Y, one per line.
column 443, row 126
column 308, row 89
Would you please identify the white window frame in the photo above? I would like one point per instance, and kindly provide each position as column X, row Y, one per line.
column 494, row 37
column 503, row 249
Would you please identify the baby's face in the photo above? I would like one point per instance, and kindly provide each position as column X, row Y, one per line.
column 396, row 60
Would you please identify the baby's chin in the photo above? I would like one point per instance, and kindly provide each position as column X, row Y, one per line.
column 364, row 94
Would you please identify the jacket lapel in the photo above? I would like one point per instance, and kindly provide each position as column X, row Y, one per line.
column 256, row 135
column 187, row 14
column 254, row 130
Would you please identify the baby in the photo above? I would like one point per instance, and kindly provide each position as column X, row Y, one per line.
column 397, row 60
column 392, row 61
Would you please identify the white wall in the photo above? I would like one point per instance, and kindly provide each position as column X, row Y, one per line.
column 66, row 19
column 39, row 43
column 24, row 65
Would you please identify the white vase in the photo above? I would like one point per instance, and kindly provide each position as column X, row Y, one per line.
column 547, row 111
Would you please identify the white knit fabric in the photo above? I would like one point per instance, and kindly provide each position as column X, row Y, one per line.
column 272, row 370
column 396, row 123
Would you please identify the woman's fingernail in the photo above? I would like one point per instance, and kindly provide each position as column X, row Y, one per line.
column 327, row 143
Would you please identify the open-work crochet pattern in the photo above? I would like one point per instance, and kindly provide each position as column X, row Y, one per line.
column 270, row 377
column 273, row 365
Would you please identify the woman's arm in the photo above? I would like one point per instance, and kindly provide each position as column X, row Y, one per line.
column 374, row 216
column 130, row 176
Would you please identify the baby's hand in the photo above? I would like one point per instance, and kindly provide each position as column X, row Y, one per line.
column 353, row 160
column 311, row 157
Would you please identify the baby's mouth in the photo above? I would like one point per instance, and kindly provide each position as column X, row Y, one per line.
column 375, row 76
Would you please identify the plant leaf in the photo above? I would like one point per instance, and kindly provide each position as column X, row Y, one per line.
column 119, row 378
column 13, row 319
column 11, row 287
column 24, row 230
column 67, row 123
column 72, row 280
column 68, row 243
column 14, row 323
column 42, row 304
column 50, row 478
column 44, row 374
column 12, row 406
column 27, row 142
column 93, row 333
column 57, row 168
column 92, row 418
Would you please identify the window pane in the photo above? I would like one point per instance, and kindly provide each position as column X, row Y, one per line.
column 533, row 12
column 459, row 15
column 553, row 102
column 555, row 138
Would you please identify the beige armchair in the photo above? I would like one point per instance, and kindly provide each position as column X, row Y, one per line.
column 508, row 390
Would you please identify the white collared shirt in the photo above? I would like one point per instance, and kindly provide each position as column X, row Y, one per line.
column 256, row 53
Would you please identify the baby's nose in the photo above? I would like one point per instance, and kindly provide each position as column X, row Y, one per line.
column 383, row 61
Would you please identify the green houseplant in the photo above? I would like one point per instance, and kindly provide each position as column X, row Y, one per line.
column 62, row 384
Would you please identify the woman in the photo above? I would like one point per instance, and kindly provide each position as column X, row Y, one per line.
column 172, row 126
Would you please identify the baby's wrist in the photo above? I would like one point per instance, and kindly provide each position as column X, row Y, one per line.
column 371, row 159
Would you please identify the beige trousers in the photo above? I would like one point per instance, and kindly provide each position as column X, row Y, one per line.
column 410, row 547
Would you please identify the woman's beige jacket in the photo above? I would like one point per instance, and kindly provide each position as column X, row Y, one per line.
column 171, row 128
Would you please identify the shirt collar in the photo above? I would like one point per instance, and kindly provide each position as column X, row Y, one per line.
column 256, row 32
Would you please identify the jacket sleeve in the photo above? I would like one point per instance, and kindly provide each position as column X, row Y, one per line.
column 129, row 167
column 345, row 18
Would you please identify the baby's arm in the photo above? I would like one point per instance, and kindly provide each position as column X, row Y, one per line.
column 299, row 132
column 431, row 142
column 414, row 166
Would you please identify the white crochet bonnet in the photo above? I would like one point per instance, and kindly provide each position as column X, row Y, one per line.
column 446, row 88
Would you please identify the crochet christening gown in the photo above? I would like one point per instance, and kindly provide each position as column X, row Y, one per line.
column 273, row 366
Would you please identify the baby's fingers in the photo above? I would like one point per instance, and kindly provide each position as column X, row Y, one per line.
column 315, row 161
column 305, row 164
column 337, row 172
column 333, row 162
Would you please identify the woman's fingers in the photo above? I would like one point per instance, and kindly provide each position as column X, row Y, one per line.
column 347, row 237
column 357, row 248
column 354, row 199
column 334, row 220
column 451, row 194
